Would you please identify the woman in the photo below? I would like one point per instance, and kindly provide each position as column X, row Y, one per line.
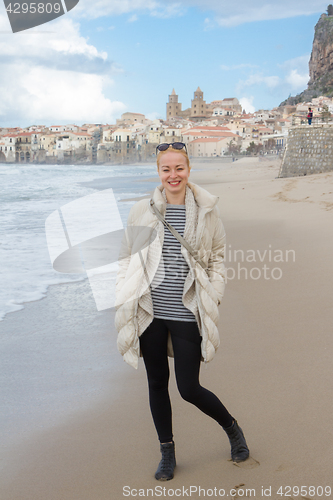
column 310, row 115
column 176, row 314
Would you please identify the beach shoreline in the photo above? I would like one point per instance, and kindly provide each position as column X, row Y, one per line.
column 272, row 369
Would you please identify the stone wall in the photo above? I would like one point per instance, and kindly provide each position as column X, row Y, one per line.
column 309, row 150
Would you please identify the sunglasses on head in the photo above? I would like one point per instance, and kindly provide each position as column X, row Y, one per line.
column 175, row 145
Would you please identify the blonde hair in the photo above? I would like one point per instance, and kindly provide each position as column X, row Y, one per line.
column 181, row 151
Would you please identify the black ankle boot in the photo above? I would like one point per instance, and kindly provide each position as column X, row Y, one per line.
column 168, row 463
column 239, row 449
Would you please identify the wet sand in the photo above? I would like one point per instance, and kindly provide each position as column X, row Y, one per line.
column 272, row 370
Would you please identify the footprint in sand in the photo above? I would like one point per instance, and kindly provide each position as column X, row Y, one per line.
column 293, row 498
column 243, row 492
column 250, row 463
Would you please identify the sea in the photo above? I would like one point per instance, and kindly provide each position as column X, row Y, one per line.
column 28, row 195
column 58, row 356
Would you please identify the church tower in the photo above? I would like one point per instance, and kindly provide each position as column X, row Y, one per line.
column 173, row 107
column 198, row 105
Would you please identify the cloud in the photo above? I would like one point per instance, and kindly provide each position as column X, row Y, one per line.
column 297, row 72
column 225, row 13
column 294, row 76
column 101, row 8
column 172, row 10
column 132, row 19
column 300, row 63
column 63, row 49
column 46, row 95
column 229, row 14
column 296, row 80
column 257, row 79
column 247, row 104
column 55, row 77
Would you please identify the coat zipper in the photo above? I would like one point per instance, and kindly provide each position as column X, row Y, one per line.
column 205, row 358
column 138, row 298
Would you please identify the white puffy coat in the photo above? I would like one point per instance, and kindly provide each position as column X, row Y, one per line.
column 203, row 289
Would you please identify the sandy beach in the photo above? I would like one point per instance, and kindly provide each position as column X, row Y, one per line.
column 273, row 369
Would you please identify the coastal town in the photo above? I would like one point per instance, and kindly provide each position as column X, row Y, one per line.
column 220, row 128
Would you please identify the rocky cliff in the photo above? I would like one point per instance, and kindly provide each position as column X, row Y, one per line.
column 321, row 62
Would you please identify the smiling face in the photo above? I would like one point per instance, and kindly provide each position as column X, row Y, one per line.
column 174, row 173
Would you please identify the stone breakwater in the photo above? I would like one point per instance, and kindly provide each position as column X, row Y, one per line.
column 309, row 150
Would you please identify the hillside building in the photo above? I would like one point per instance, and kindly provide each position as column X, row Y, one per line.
column 173, row 107
column 131, row 118
column 199, row 109
column 198, row 105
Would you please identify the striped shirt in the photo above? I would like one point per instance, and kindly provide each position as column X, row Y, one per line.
column 167, row 295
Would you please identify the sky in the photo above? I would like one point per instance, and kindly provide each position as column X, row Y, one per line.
column 106, row 57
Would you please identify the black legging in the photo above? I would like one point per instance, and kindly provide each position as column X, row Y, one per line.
column 186, row 341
